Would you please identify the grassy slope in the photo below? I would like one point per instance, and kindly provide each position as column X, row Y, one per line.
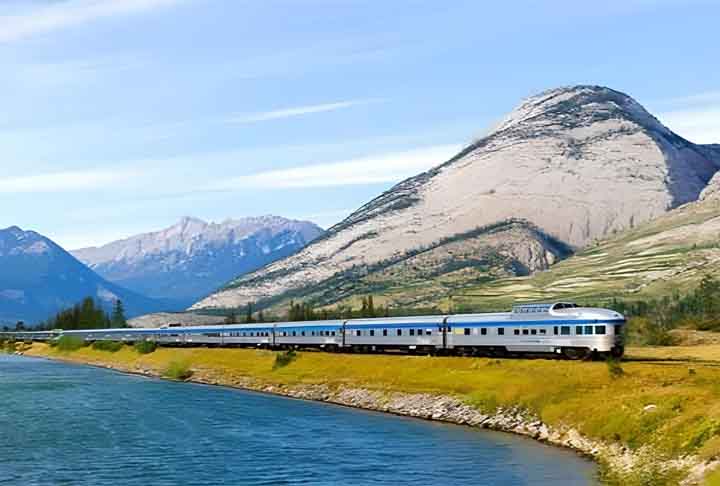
column 577, row 394
column 655, row 259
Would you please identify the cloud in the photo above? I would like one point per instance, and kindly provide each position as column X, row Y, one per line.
column 385, row 168
column 299, row 111
column 70, row 13
column 699, row 126
column 695, row 117
column 64, row 181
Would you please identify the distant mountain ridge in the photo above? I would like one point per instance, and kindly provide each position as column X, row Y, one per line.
column 193, row 258
column 38, row 278
column 577, row 163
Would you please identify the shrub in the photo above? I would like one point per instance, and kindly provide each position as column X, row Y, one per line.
column 145, row 347
column 615, row 368
column 69, row 343
column 178, row 370
column 284, row 359
column 110, row 346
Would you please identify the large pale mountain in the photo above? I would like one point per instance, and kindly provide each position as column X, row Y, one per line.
column 568, row 166
column 187, row 261
column 38, row 278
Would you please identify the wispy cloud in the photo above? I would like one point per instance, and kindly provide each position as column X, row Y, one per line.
column 60, row 15
column 299, row 111
column 695, row 117
column 384, row 168
column 64, row 181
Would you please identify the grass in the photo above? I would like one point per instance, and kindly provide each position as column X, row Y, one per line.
column 109, row 346
column 178, row 370
column 284, row 359
column 69, row 343
column 671, row 405
column 145, row 347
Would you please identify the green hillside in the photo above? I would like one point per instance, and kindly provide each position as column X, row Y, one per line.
column 671, row 253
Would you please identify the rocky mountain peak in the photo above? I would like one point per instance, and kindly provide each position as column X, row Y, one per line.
column 193, row 257
column 575, row 107
column 579, row 163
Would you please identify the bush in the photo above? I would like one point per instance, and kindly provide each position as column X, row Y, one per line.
column 178, row 370
column 145, row 347
column 110, row 346
column 69, row 343
column 284, row 359
column 615, row 368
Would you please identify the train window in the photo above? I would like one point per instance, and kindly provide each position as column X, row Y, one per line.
column 483, row 331
column 533, row 332
column 555, row 330
column 333, row 333
column 419, row 332
column 412, row 332
column 302, row 333
column 358, row 333
column 578, row 330
column 525, row 332
column 467, row 331
column 399, row 332
column 565, row 330
column 294, row 333
column 543, row 331
column 312, row 333
column 501, row 331
column 588, row 330
column 449, row 329
column 372, row 332
column 517, row 332
column 384, row 332
column 618, row 329
column 599, row 329
column 428, row 332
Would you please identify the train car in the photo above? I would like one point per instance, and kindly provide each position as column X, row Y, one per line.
column 560, row 328
column 418, row 334
column 326, row 335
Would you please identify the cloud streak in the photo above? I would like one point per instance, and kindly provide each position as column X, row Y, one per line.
column 64, row 181
column 71, row 13
column 299, row 111
column 695, row 117
column 385, row 168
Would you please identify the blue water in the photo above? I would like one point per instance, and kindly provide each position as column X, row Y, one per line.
column 65, row 424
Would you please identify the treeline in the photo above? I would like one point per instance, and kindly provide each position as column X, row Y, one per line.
column 652, row 320
column 87, row 314
column 302, row 311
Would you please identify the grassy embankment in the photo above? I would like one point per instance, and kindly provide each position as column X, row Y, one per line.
column 672, row 406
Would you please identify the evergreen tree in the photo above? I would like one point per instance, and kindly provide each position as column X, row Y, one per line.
column 249, row 314
column 118, row 315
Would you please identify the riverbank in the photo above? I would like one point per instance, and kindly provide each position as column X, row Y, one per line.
column 652, row 422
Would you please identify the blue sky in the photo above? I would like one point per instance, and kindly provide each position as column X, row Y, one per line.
column 121, row 116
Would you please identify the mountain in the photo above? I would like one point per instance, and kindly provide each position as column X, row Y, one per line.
column 187, row 261
column 671, row 253
column 574, row 164
column 39, row 278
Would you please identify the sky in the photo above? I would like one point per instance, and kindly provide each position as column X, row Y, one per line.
column 122, row 116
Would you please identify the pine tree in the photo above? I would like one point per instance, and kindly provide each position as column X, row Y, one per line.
column 249, row 314
column 118, row 315
column 370, row 306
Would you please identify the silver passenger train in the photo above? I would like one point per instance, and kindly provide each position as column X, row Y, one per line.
column 529, row 329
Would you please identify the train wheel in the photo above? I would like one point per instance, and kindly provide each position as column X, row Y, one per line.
column 576, row 353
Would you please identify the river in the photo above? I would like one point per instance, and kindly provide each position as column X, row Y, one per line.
column 68, row 424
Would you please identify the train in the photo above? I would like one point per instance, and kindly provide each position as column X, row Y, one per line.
column 549, row 329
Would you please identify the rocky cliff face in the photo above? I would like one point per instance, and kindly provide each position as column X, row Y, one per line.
column 38, row 278
column 577, row 163
column 193, row 258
